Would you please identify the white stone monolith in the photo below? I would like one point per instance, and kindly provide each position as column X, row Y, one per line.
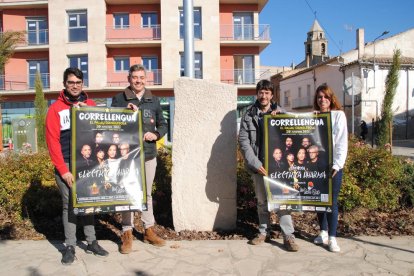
column 204, row 155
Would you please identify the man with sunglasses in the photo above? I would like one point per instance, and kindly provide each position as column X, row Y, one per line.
column 58, row 138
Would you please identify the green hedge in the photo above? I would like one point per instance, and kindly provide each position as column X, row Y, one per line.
column 27, row 186
column 373, row 178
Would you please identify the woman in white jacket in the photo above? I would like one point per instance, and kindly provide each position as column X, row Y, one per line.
column 326, row 101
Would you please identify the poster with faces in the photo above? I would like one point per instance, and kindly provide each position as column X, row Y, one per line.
column 298, row 158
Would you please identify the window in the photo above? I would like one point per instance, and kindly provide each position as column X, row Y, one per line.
column 78, row 26
column 243, row 26
column 299, row 92
column 151, row 64
column 80, row 62
column 244, row 69
column 149, row 19
column 121, row 64
column 287, row 98
column 37, row 32
column 198, row 65
column 41, row 66
column 197, row 23
column 121, row 21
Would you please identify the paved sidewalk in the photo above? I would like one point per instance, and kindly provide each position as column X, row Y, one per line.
column 358, row 256
column 403, row 148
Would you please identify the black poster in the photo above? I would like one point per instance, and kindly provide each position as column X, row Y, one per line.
column 298, row 158
column 107, row 160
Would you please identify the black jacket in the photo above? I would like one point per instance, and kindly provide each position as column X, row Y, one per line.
column 152, row 117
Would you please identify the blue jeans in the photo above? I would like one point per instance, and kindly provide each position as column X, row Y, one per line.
column 329, row 221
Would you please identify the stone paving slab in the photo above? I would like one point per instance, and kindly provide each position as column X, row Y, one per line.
column 358, row 256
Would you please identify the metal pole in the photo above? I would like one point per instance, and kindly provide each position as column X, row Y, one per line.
column 188, row 38
column 375, row 65
column 372, row 132
column 353, row 102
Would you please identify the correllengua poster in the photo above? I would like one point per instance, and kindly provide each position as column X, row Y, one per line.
column 298, row 158
column 107, row 160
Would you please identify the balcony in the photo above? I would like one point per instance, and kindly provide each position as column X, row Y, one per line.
column 245, row 35
column 302, row 102
column 34, row 40
column 119, row 79
column 23, row 3
column 243, row 76
column 22, row 82
column 130, row 34
column 245, row 32
column 123, row 2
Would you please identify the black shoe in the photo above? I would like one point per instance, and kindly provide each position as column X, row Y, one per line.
column 259, row 239
column 68, row 255
column 96, row 249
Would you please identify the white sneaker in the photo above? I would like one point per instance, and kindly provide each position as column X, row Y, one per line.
column 322, row 238
column 333, row 245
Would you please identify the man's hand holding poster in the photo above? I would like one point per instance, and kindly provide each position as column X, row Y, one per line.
column 107, row 160
column 298, row 158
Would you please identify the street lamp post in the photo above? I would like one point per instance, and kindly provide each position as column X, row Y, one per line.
column 375, row 65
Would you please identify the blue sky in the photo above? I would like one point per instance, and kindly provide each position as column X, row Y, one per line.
column 290, row 20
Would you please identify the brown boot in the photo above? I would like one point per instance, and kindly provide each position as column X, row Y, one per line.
column 126, row 238
column 152, row 238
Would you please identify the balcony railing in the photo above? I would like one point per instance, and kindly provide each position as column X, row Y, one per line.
column 302, row 102
column 22, row 82
column 245, row 32
column 119, row 79
column 33, row 38
column 243, row 76
column 117, row 33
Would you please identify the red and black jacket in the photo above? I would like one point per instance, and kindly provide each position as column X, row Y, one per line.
column 58, row 132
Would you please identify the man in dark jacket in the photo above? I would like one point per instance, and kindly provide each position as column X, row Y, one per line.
column 251, row 146
column 58, row 138
column 135, row 97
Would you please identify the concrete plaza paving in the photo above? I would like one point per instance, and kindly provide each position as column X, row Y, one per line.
column 358, row 256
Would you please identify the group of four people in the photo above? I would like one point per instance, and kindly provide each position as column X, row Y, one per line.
column 136, row 96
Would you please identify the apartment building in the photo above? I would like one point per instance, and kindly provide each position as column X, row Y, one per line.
column 104, row 37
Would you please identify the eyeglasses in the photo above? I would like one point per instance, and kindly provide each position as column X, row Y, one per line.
column 73, row 83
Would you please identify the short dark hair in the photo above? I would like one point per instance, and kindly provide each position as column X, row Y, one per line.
column 136, row 67
column 265, row 85
column 72, row 71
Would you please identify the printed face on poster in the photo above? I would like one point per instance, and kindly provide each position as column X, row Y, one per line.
column 298, row 158
column 107, row 160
